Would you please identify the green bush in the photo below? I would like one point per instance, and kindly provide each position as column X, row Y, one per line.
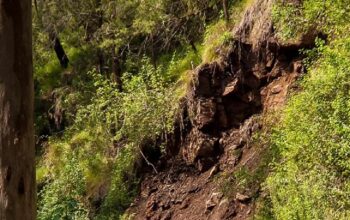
column 62, row 196
column 124, row 186
column 294, row 19
column 312, row 180
column 105, row 139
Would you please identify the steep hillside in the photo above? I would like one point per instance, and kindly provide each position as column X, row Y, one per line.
column 215, row 164
column 192, row 109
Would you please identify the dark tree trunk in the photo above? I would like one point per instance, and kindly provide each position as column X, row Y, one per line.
column 60, row 53
column 116, row 68
column 94, row 21
column 17, row 166
column 101, row 62
column 154, row 62
column 193, row 46
column 225, row 8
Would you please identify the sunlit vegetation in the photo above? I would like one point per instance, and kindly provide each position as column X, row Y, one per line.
column 113, row 91
column 311, row 178
column 109, row 77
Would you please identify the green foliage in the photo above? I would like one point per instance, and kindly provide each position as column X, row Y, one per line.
column 183, row 61
column 106, row 128
column 61, row 198
column 124, row 186
column 263, row 208
column 312, row 55
column 312, row 180
column 217, row 35
column 294, row 19
column 127, row 216
column 105, row 139
column 287, row 28
column 247, row 179
column 237, row 9
column 95, row 33
column 140, row 112
column 49, row 75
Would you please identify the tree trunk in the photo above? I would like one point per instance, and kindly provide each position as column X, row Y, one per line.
column 101, row 61
column 60, row 53
column 116, row 74
column 225, row 8
column 17, row 153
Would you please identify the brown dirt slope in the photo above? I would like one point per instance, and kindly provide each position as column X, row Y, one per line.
column 220, row 116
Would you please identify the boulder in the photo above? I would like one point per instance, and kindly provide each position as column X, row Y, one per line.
column 199, row 146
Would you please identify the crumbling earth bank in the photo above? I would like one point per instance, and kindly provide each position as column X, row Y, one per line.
column 221, row 104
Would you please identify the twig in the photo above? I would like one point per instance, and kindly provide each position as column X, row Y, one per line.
column 148, row 162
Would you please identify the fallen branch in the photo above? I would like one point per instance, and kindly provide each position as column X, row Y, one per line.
column 148, row 162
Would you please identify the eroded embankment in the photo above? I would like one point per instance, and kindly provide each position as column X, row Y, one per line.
column 218, row 122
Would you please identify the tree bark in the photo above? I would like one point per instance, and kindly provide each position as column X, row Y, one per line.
column 116, row 75
column 17, row 153
column 60, row 53
column 225, row 8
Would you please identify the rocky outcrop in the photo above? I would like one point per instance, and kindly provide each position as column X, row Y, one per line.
column 225, row 93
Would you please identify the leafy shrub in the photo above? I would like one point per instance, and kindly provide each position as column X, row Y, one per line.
column 104, row 142
column 122, row 190
column 62, row 196
column 293, row 19
column 312, row 180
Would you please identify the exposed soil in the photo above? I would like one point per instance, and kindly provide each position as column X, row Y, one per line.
column 213, row 137
column 190, row 188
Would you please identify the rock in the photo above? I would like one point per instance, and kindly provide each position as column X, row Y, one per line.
column 209, row 205
column 248, row 97
column 249, row 211
column 204, row 113
column 242, row 198
column 185, row 204
column 276, row 89
column 205, row 147
column 234, row 147
column 252, row 81
column 224, row 202
column 231, row 87
column 167, row 216
column 178, row 201
column 222, row 141
column 151, row 207
column 166, row 206
column 221, row 210
column 298, row 67
column 152, row 190
column 277, row 70
column 193, row 189
column 223, row 120
column 237, row 157
column 201, row 146
column 270, row 60
column 204, row 164
column 202, row 81
column 213, row 171
column 213, row 201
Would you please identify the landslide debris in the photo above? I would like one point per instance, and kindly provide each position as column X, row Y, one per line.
column 218, row 122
